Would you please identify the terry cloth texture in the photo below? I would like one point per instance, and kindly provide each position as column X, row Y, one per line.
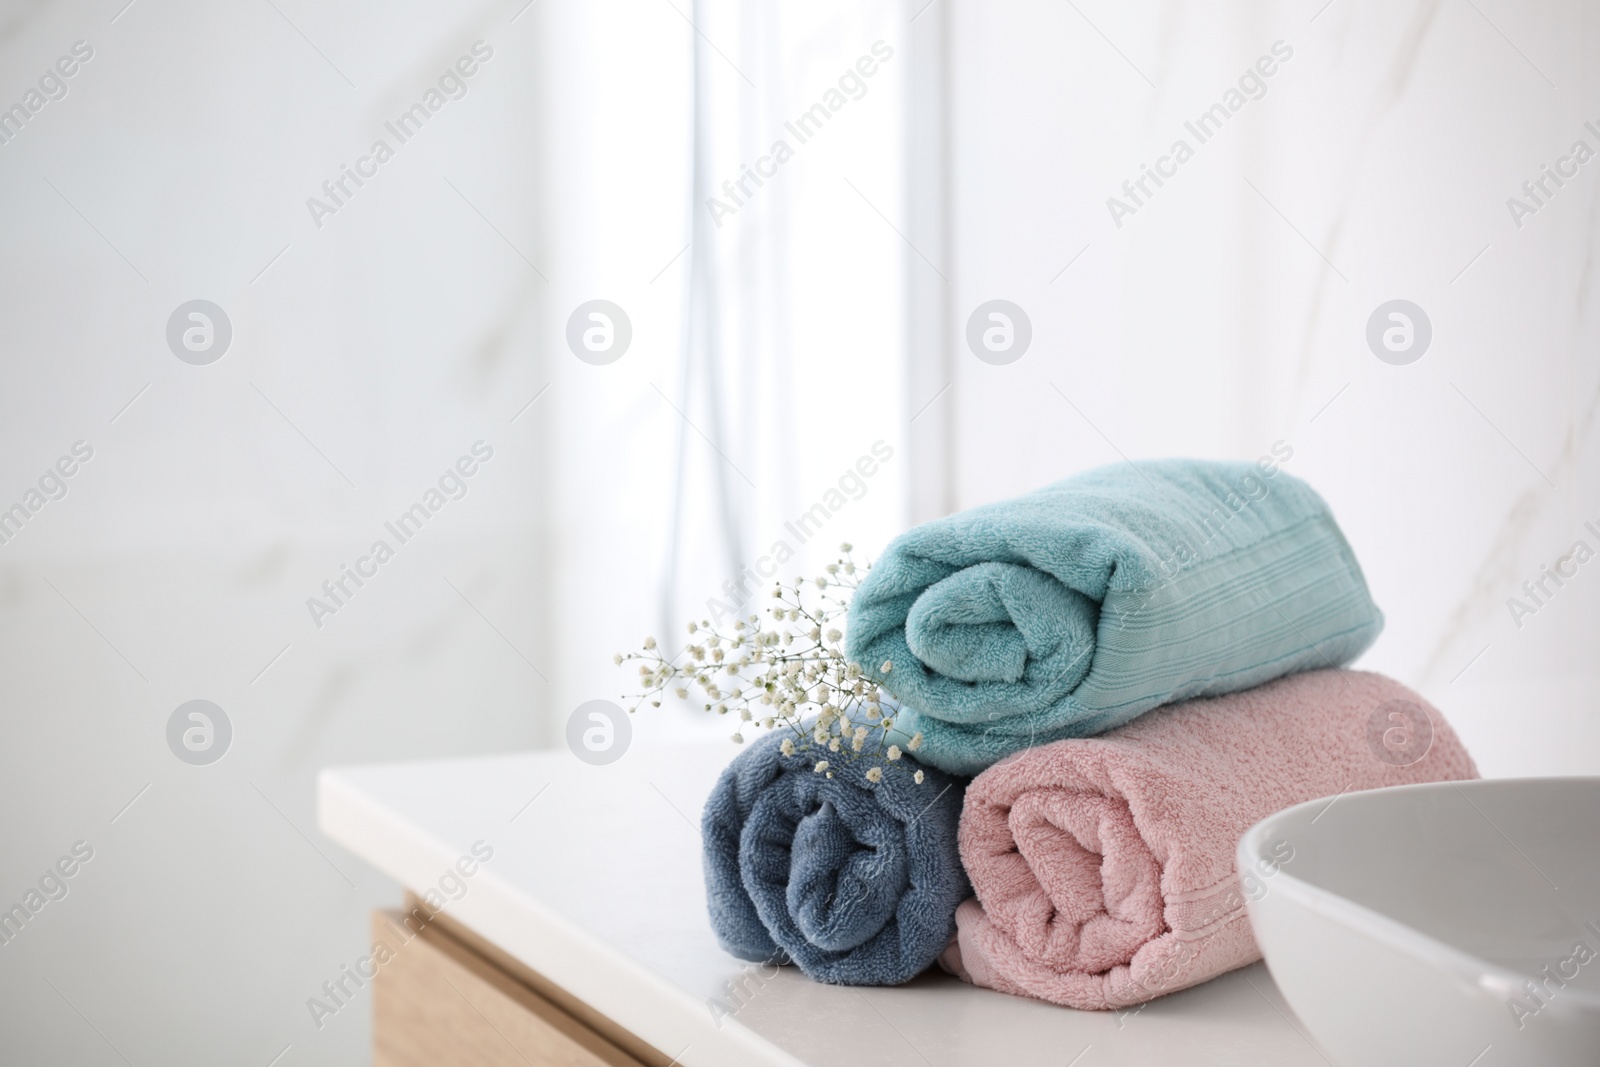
column 1079, row 607
column 856, row 882
column 1105, row 868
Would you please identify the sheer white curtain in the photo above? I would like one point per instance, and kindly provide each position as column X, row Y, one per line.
column 758, row 420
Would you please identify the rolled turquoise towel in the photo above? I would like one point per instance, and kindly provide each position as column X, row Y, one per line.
column 1079, row 607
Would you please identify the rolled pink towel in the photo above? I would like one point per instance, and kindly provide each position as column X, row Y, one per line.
column 1104, row 867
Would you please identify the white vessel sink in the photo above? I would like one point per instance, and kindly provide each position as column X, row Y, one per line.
column 1455, row 923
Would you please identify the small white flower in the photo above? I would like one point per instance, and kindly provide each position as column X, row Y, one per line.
column 681, row 693
column 833, row 746
column 915, row 742
column 787, row 748
column 822, row 765
column 875, row 774
column 617, row 659
column 744, row 713
column 845, row 547
column 886, row 668
column 834, row 634
column 833, row 568
column 649, row 642
column 737, row 739
column 918, row 777
column 822, row 583
column 815, row 633
column 693, row 627
column 893, row 753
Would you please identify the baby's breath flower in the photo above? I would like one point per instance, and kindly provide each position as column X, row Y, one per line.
column 845, row 547
column 915, row 742
column 794, row 676
column 918, row 777
column 886, row 668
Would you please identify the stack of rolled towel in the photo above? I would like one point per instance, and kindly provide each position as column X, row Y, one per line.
column 1136, row 664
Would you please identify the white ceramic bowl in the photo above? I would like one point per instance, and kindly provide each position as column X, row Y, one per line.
column 1454, row 924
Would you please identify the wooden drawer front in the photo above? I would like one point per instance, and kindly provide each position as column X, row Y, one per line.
column 438, row 1002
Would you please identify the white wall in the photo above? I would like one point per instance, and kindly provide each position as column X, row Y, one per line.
column 1207, row 325
column 420, row 318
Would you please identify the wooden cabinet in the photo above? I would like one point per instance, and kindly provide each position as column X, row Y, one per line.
column 446, row 997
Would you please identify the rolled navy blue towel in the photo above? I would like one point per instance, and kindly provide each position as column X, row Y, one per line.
column 855, row 881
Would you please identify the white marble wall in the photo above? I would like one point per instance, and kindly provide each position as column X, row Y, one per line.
column 1230, row 310
column 372, row 351
column 369, row 353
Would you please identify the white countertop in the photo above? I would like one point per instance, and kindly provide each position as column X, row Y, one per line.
column 596, row 884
